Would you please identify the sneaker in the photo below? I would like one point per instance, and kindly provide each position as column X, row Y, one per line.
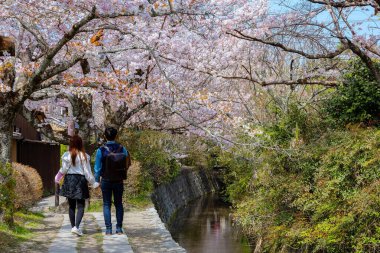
column 76, row 231
column 119, row 231
column 108, row 231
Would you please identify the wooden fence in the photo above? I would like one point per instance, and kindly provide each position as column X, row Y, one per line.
column 42, row 156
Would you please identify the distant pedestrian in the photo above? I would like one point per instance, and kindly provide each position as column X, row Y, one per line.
column 77, row 170
column 111, row 164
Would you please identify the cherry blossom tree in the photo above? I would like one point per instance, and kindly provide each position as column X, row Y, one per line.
column 42, row 34
column 311, row 30
column 171, row 55
column 54, row 39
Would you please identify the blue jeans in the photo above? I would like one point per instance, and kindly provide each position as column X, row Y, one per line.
column 109, row 188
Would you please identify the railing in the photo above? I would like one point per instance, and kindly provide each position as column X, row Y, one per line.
column 57, row 187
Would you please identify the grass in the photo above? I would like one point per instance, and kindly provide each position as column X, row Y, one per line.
column 95, row 206
column 25, row 221
column 30, row 220
column 139, row 201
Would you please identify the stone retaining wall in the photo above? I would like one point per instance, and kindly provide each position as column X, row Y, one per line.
column 189, row 185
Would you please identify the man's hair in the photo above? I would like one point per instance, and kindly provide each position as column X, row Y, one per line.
column 110, row 133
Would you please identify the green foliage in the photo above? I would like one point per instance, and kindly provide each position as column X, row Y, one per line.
column 95, row 206
column 150, row 149
column 301, row 187
column 293, row 126
column 63, row 149
column 197, row 152
column 322, row 197
column 237, row 172
column 7, row 194
column 161, row 154
column 288, row 124
column 139, row 201
column 136, row 201
column 358, row 98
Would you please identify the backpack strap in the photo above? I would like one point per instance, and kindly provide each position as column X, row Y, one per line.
column 107, row 148
column 120, row 148
column 117, row 151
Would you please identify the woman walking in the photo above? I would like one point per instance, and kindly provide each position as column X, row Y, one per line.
column 77, row 170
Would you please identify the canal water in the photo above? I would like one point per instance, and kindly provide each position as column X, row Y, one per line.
column 205, row 226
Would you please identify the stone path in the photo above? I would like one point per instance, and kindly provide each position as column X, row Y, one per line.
column 148, row 234
column 145, row 233
column 65, row 241
column 46, row 203
column 113, row 243
column 92, row 242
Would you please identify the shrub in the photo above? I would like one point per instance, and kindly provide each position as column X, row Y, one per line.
column 294, row 126
column 322, row 198
column 135, row 181
column 7, row 194
column 358, row 98
column 28, row 186
column 138, row 188
column 157, row 158
column 153, row 151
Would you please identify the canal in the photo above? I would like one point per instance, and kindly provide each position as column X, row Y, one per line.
column 205, row 226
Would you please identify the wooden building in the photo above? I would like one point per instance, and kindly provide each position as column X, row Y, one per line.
column 29, row 149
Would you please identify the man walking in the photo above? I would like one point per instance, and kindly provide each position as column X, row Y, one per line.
column 111, row 164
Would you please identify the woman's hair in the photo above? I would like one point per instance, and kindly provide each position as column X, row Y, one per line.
column 76, row 146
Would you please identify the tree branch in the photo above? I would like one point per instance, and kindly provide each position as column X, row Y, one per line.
column 301, row 81
column 34, row 32
column 366, row 59
column 329, row 55
column 347, row 4
column 60, row 67
column 37, row 76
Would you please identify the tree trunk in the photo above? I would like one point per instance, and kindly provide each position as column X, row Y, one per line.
column 6, row 132
column 366, row 59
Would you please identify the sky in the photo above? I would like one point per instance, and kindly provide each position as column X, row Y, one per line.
column 370, row 23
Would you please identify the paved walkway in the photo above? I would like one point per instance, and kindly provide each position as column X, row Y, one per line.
column 145, row 233
column 114, row 243
column 148, row 234
column 46, row 203
column 64, row 242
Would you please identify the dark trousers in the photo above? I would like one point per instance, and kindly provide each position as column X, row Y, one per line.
column 73, row 204
column 115, row 189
